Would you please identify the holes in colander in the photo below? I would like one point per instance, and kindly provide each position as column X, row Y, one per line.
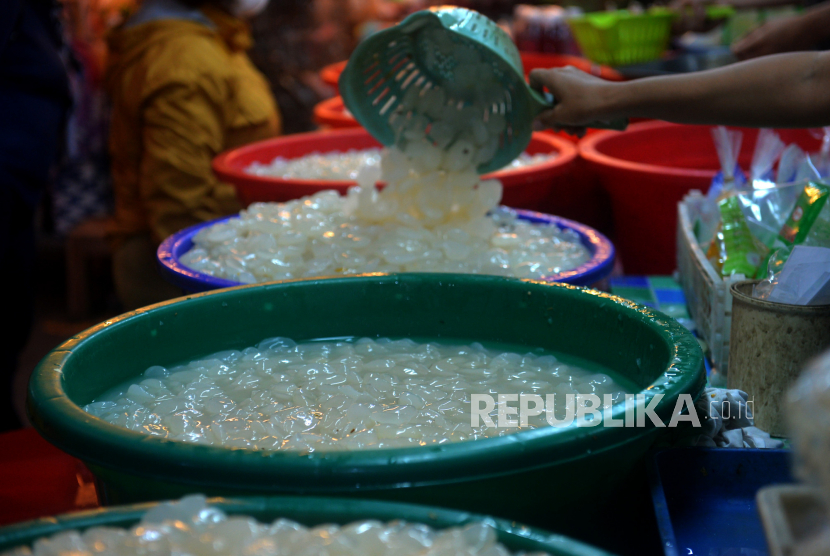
column 395, row 57
column 380, row 96
column 377, row 86
column 372, row 77
column 404, row 71
column 399, row 65
column 409, row 79
column 372, row 66
column 388, row 105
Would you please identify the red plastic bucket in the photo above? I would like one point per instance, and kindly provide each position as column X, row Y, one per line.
column 537, row 60
column 529, row 187
column 647, row 170
column 332, row 114
column 530, row 60
column 331, row 74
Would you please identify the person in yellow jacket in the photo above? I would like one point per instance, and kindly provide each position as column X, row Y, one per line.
column 183, row 90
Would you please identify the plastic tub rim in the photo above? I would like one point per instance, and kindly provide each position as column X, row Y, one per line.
column 567, row 152
column 313, row 510
column 745, row 298
column 330, row 74
column 588, row 150
column 66, row 425
column 332, row 111
column 596, row 268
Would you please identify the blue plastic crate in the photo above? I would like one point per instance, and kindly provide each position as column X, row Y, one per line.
column 704, row 498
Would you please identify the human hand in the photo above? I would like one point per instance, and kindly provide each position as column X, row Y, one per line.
column 577, row 95
column 776, row 36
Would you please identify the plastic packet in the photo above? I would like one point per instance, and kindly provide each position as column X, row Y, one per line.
column 821, row 159
column 791, row 159
column 706, row 222
column 819, row 234
column 728, row 146
column 804, row 279
column 815, row 166
column 734, row 250
column 808, row 223
column 805, row 213
column 768, row 148
column 766, row 210
column 807, row 171
column 772, row 269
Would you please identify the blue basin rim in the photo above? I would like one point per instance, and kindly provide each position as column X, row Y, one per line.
column 591, row 272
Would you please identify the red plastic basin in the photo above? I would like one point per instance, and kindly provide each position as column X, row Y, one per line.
column 537, row 60
column 530, row 60
column 647, row 170
column 331, row 74
column 530, row 187
column 331, row 114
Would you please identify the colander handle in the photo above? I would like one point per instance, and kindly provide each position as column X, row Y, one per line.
column 547, row 102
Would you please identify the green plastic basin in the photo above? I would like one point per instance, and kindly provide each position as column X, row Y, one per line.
column 577, row 464
column 309, row 511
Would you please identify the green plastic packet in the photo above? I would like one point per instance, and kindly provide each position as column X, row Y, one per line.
column 805, row 213
column 808, row 224
column 734, row 250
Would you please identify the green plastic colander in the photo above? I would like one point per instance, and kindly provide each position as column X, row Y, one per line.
column 386, row 65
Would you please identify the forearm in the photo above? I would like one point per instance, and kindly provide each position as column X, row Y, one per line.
column 786, row 90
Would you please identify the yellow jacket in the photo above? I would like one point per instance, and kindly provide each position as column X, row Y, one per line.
column 182, row 92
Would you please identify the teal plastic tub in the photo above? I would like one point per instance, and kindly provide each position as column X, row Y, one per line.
column 555, row 471
column 310, row 511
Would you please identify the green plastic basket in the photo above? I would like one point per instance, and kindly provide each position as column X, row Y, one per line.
column 619, row 38
column 417, row 54
column 310, row 511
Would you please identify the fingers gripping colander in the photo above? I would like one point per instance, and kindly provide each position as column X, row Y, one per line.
column 430, row 50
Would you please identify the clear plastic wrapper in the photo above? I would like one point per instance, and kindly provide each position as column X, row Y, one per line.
column 766, row 210
column 791, row 159
column 808, row 223
column 768, row 149
column 821, row 159
column 731, row 177
column 803, row 278
column 728, row 146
